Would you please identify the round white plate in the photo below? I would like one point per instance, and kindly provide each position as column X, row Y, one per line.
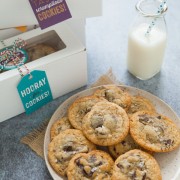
column 169, row 162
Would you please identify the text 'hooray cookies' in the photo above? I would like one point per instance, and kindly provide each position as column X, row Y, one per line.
column 136, row 164
column 106, row 124
column 93, row 165
column 64, row 146
column 154, row 132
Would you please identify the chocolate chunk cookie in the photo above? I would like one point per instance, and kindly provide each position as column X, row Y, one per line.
column 116, row 95
column 124, row 146
column 154, row 132
column 80, row 108
column 106, row 124
column 39, row 50
column 59, row 126
column 136, row 164
column 94, row 165
column 139, row 103
column 64, row 146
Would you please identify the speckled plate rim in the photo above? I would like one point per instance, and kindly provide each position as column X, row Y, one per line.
column 169, row 162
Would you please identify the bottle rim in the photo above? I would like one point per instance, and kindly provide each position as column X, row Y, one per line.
column 154, row 15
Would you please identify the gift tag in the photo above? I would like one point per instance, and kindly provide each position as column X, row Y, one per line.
column 50, row 12
column 34, row 91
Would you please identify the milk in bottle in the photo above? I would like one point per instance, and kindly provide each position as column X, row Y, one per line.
column 145, row 53
column 147, row 39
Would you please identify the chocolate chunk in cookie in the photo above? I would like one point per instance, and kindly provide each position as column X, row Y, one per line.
column 93, row 165
column 106, row 124
column 64, row 146
column 139, row 103
column 154, row 132
column 80, row 108
column 59, row 126
column 115, row 95
column 136, row 164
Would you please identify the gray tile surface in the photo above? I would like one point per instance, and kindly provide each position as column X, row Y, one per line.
column 107, row 47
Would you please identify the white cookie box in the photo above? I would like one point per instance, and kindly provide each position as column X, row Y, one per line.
column 66, row 70
column 12, row 14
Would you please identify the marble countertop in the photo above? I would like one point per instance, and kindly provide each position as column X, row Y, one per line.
column 107, row 47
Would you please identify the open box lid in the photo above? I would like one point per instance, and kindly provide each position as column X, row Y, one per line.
column 15, row 13
column 71, row 43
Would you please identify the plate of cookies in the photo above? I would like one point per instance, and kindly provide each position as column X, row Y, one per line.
column 113, row 132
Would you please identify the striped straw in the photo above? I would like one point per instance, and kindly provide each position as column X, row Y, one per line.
column 160, row 9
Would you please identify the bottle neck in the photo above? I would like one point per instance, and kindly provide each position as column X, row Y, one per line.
column 151, row 9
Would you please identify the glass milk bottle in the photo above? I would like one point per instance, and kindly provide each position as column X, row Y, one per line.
column 147, row 39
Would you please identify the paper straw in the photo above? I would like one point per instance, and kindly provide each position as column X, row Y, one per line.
column 160, row 9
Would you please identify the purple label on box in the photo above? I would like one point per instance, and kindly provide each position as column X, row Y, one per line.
column 50, row 12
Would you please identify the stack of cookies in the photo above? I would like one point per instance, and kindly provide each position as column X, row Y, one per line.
column 111, row 125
